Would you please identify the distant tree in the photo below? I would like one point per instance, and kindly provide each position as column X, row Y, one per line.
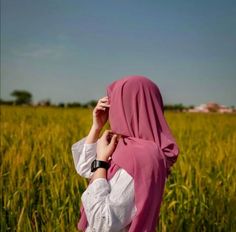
column 61, row 104
column 3, row 102
column 46, row 102
column 74, row 104
column 190, row 107
column 22, row 97
column 175, row 107
column 90, row 104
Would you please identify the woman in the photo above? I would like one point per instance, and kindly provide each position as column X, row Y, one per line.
column 126, row 194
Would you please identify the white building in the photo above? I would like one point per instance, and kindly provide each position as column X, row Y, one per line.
column 212, row 107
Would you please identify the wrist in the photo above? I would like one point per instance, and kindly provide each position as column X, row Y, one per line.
column 96, row 129
column 99, row 164
column 99, row 173
column 102, row 159
column 93, row 135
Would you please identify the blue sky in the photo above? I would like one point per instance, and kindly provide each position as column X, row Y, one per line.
column 71, row 50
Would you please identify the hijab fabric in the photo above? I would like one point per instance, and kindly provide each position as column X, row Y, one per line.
column 146, row 150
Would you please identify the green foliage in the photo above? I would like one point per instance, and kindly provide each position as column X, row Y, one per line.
column 22, row 96
column 90, row 104
column 3, row 102
column 175, row 107
column 41, row 190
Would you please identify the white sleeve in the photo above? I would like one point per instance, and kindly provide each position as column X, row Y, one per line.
column 83, row 156
column 110, row 207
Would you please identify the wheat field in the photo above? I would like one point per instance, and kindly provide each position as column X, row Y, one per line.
column 41, row 190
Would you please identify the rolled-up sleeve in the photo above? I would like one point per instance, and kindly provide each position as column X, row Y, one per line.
column 110, row 208
column 83, row 156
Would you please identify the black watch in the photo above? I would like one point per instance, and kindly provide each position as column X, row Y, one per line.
column 99, row 164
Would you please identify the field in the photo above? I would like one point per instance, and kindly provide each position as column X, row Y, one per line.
column 41, row 190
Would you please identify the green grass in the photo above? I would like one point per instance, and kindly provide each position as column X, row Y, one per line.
column 41, row 190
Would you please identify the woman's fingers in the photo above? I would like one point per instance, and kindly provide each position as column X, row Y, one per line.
column 104, row 99
column 106, row 136
column 100, row 108
column 106, row 133
column 110, row 137
column 100, row 113
column 113, row 143
column 104, row 104
column 106, row 145
column 113, row 140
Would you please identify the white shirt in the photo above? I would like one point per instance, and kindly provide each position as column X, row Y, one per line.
column 109, row 204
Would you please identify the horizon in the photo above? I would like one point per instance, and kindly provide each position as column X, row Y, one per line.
column 35, row 103
column 70, row 51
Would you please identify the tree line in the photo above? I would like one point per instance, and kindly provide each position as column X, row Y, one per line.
column 23, row 97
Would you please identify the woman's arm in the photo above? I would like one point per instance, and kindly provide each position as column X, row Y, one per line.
column 93, row 135
column 83, row 155
column 110, row 206
column 84, row 151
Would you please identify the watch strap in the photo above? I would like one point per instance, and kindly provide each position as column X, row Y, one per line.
column 99, row 164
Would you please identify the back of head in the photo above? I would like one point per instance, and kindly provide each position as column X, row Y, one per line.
column 135, row 104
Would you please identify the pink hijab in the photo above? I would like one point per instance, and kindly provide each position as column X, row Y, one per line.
column 147, row 149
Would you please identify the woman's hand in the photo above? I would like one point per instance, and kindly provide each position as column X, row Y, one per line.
column 100, row 113
column 100, row 116
column 105, row 148
column 106, row 145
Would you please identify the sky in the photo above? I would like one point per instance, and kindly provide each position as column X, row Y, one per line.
column 70, row 50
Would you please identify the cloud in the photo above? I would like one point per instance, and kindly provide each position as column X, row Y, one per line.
column 40, row 51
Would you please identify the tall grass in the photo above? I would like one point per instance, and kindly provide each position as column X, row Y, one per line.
column 41, row 190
